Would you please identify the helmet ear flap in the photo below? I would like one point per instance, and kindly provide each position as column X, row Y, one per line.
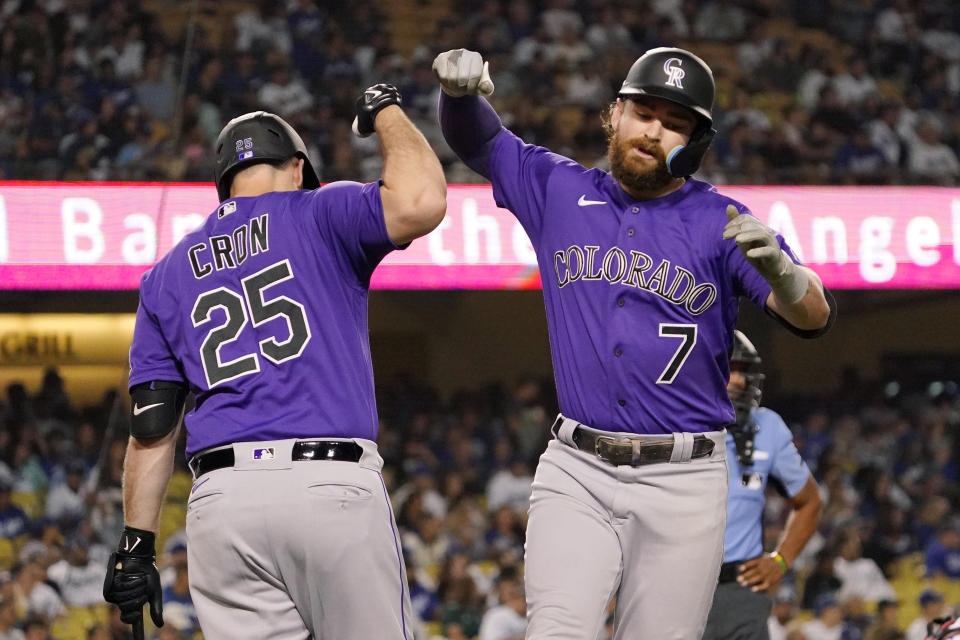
column 684, row 160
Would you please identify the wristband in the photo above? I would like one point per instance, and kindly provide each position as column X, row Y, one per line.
column 791, row 285
column 137, row 542
column 780, row 561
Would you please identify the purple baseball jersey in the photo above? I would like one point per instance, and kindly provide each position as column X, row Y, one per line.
column 641, row 295
column 263, row 312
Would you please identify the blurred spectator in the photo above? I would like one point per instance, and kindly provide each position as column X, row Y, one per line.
column 79, row 575
column 859, row 577
column 8, row 618
column 784, row 610
column 942, row 554
column 931, row 606
column 885, row 624
column 67, row 502
column 14, row 522
column 510, row 486
column 928, row 158
column 822, row 581
column 828, row 624
column 34, row 597
column 508, row 620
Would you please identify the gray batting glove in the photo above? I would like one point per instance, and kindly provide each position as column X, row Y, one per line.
column 760, row 247
column 463, row 73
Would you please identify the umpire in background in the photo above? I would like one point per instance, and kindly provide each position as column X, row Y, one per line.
column 262, row 314
column 759, row 447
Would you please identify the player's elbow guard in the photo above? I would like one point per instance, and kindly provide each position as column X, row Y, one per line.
column 156, row 408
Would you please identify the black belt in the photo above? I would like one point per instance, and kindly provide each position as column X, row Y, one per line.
column 729, row 572
column 620, row 451
column 341, row 450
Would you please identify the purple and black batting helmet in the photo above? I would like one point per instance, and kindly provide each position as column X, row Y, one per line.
column 257, row 137
column 681, row 77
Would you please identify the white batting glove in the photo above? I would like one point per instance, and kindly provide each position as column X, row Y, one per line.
column 760, row 247
column 463, row 73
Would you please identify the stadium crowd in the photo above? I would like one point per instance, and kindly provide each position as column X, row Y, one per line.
column 809, row 91
column 459, row 470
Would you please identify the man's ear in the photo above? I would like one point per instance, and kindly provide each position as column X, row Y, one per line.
column 298, row 172
column 616, row 113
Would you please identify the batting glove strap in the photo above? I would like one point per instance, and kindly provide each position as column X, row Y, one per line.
column 137, row 543
column 373, row 100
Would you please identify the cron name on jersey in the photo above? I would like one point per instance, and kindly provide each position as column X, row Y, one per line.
column 229, row 250
column 636, row 269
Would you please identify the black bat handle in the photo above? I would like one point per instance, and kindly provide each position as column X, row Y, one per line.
column 138, row 628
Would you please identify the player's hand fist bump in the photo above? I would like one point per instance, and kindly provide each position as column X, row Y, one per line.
column 462, row 72
column 370, row 103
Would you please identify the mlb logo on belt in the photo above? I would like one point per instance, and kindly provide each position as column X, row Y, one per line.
column 263, row 454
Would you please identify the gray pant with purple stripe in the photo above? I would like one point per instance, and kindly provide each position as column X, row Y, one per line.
column 294, row 550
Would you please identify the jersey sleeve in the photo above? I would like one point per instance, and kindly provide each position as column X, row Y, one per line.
column 748, row 281
column 350, row 215
column 788, row 466
column 519, row 173
column 151, row 357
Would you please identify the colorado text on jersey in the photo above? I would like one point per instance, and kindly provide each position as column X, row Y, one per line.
column 578, row 263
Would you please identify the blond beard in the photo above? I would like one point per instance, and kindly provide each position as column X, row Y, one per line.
column 626, row 170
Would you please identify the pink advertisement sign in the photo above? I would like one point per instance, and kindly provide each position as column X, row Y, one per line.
column 104, row 235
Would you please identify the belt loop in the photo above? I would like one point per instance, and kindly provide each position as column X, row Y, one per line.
column 682, row 447
column 565, row 430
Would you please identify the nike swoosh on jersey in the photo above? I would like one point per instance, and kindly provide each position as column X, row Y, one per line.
column 583, row 202
column 138, row 410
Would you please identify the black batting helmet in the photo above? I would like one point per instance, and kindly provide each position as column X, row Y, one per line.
column 681, row 77
column 258, row 137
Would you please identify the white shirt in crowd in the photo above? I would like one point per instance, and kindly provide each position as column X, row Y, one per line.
column 64, row 502
column 507, row 489
column 502, row 623
column 81, row 586
column 816, row 630
column 862, row 578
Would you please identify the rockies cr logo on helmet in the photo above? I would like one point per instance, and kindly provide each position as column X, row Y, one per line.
column 674, row 73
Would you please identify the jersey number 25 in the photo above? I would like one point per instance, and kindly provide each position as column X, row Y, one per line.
column 261, row 311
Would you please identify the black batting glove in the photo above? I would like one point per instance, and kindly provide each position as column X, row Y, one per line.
column 369, row 105
column 132, row 578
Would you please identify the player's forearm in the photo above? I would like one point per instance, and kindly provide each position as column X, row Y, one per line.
column 414, row 187
column 470, row 126
column 146, row 473
column 802, row 522
column 810, row 312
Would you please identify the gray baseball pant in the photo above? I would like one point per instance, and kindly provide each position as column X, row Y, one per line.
column 295, row 550
column 652, row 535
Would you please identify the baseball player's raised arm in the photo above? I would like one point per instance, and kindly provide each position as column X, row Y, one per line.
column 414, row 189
column 468, row 122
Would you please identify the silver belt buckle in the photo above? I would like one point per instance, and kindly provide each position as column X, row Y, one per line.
column 612, row 443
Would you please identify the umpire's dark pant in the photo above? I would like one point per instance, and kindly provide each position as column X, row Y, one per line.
column 738, row 614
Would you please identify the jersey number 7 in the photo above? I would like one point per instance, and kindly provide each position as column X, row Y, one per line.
column 688, row 334
column 261, row 311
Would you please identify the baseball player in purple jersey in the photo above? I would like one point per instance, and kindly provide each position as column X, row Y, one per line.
column 642, row 269
column 262, row 314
